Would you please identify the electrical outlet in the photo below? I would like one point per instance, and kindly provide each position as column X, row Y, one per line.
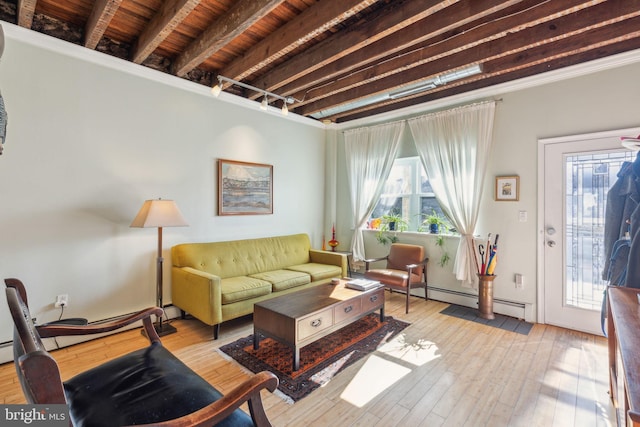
column 62, row 301
column 519, row 281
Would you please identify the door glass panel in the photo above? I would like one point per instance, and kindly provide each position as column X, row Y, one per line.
column 588, row 179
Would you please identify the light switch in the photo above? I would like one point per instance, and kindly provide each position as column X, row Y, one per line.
column 522, row 216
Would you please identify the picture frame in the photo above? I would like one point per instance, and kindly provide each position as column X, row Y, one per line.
column 244, row 188
column 507, row 188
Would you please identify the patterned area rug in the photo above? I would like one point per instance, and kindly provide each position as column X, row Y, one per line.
column 319, row 361
column 503, row 322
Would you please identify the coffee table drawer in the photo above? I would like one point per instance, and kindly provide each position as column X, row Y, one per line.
column 315, row 323
column 373, row 300
column 348, row 310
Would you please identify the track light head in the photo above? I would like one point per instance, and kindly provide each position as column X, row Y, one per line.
column 265, row 102
column 285, row 110
column 216, row 89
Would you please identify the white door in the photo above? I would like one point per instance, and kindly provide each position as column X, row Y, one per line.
column 577, row 174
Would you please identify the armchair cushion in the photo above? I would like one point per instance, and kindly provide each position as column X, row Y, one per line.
column 390, row 277
column 146, row 386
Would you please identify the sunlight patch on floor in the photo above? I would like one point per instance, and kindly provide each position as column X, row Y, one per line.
column 374, row 377
column 417, row 353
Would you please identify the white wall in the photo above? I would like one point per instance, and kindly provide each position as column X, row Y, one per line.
column 89, row 140
column 599, row 101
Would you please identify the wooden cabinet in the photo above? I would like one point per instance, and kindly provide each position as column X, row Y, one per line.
column 623, row 334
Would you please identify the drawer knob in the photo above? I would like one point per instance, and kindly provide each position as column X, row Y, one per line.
column 348, row 309
column 373, row 298
column 316, row 323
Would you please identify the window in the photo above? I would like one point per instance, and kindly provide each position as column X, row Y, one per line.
column 407, row 193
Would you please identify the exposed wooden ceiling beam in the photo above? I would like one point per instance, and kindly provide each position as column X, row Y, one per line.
column 242, row 15
column 495, row 79
column 25, row 11
column 395, row 17
column 101, row 15
column 170, row 15
column 578, row 27
column 429, row 46
column 309, row 24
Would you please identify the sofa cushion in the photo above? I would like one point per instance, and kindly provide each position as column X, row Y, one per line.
column 242, row 288
column 283, row 279
column 318, row 271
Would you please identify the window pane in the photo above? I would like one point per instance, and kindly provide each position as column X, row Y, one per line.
column 407, row 192
column 399, row 181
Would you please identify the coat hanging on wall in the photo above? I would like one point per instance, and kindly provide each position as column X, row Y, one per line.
column 622, row 224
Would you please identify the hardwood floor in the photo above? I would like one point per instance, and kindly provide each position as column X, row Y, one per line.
column 441, row 371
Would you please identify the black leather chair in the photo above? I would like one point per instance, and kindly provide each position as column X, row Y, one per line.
column 149, row 386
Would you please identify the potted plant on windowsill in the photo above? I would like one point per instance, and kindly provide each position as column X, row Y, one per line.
column 435, row 222
column 390, row 222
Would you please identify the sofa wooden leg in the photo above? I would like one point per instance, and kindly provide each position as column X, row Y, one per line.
column 183, row 314
column 216, row 331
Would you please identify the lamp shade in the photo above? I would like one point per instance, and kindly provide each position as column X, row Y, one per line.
column 159, row 213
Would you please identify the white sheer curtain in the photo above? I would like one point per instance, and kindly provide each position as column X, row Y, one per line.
column 454, row 147
column 370, row 153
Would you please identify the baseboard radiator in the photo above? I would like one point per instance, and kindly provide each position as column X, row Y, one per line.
column 500, row 306
column 6, row 348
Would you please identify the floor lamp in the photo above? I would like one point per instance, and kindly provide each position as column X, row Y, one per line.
column 159, row 213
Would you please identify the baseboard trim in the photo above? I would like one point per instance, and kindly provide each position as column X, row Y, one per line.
column 508, row 308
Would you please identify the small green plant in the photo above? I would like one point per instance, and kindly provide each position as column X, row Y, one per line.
column 390, row 222
column 445, row 257
column 434, row 222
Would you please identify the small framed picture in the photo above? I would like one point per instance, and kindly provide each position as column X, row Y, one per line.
column 507, row 188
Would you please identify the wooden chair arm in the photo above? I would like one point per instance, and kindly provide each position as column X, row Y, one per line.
column 412, row 266
column 55, row 330
column 248, row 391
column 370, row 260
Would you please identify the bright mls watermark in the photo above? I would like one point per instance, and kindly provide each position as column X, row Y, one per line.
column 34, row 415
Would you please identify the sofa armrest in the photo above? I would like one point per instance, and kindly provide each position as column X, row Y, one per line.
column 330, row 258
column 198, row 293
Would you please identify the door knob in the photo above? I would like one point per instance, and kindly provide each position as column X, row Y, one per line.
column 551, row 231
column 551, row 243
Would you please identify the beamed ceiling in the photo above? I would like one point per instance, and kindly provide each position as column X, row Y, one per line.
column 340, row 59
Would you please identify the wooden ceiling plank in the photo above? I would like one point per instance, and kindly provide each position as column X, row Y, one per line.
column 494, row 79
column 309, row 24
column 395, row 18
column 581, row 26
column 101, row 15
column 241, row 16
column 26, row 9
column 439, row 43
column 170, row 15
column 512, row 39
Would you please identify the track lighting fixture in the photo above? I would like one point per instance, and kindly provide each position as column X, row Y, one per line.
column 216, row 89
column 264, row 104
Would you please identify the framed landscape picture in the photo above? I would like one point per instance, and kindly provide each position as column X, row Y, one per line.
column 507, row 188
column 244, row 188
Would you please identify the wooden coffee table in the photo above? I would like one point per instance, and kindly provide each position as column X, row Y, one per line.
column 302, row 317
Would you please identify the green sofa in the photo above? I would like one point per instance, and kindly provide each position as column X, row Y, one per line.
column 219, row 281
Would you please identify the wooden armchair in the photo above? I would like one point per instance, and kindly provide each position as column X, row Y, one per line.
column 406, row 267
column 149, row 386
